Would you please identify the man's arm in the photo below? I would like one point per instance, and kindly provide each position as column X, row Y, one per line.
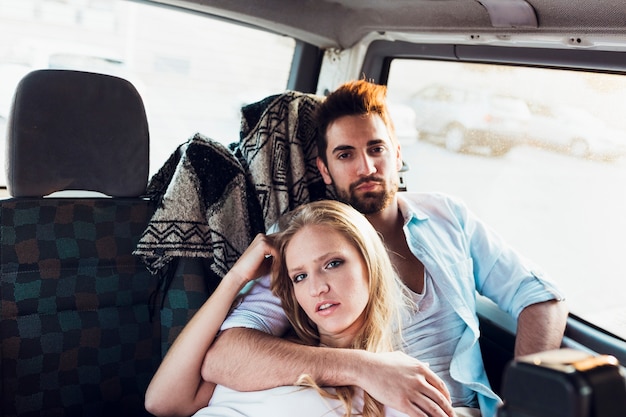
column 540, row 327
column 246, row 359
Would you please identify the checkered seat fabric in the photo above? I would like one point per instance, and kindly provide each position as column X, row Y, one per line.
column 78, row 337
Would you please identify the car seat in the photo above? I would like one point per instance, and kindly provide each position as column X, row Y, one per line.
column 77, row 335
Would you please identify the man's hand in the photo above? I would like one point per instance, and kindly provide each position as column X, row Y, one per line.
column 395, row 379
column 406, row 384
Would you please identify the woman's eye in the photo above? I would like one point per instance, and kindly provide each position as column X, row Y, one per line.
column 299, row 277
column 334, row 264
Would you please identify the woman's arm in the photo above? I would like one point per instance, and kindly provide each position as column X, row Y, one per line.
column 177, row 388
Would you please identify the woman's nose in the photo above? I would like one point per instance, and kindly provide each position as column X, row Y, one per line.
column 319, row 286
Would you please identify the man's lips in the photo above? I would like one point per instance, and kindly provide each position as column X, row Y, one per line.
column 367, row 185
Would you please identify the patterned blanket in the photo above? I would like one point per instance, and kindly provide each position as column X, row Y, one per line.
column 212, row 200
column 205, row 208
column 278, row 148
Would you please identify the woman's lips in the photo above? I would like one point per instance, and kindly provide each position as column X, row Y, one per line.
column 326, row 307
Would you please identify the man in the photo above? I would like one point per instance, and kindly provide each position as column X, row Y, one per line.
column 442, row 253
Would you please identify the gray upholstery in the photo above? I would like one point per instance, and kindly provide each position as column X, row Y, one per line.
column 71, row 130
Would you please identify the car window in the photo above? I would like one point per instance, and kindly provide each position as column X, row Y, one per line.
column 193, row 77
column 548, row 177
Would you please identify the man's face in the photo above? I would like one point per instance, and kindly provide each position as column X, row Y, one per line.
column 363, row 162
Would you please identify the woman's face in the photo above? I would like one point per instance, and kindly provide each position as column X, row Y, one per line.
column 330, row 282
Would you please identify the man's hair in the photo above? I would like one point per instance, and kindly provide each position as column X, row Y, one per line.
column 354, row 98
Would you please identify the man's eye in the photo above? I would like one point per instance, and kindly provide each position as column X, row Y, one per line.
column 378, row 149
column 343, row 155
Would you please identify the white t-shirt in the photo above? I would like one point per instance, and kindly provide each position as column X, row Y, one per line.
column 280, row 402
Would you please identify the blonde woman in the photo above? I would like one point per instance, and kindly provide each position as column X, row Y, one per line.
column 328, row 251
column 337, row 285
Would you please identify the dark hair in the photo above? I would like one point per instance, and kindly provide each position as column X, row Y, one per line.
column 353, row 98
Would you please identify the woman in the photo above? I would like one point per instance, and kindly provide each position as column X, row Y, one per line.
column 337, row 285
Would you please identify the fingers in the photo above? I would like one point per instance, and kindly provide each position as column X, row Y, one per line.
column 264, row 243
column 429, row 409
column 256, row 260
column 438, row 384
column 432, row 397
column 427, row 395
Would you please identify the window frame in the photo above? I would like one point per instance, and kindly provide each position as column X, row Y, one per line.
column 579, row 333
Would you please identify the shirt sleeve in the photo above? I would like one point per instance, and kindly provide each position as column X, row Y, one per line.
column 501, row 273
column 258, row 309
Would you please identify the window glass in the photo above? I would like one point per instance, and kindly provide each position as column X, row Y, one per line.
column 193, row 73
column 536, row 153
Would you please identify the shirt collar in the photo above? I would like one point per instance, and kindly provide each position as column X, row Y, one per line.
column 410, row 210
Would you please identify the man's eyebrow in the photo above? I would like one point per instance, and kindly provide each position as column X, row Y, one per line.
column 372, row 142
column 375, row 142
column 342, row 148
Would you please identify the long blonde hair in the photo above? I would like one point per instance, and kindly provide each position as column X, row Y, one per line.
column 387, row 294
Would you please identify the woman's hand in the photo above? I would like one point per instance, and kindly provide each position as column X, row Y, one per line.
column 177, row 388
column 255, row 262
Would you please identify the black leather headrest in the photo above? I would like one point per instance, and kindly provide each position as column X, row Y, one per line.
column 72, row 130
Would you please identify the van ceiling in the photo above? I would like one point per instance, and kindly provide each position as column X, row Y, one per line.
column 342, row 23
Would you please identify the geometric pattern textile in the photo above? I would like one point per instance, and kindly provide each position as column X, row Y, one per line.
column 77, row 336
column 278, row 146
column 206, row 208
column 213, row 200
column 185, row 294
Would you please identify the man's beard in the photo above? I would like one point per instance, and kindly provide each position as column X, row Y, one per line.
column 370, row 202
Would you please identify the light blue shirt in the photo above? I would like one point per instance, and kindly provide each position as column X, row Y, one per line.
column 465, row 256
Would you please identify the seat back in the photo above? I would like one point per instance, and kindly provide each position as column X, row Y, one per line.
column 72, row 130
column 77, row 335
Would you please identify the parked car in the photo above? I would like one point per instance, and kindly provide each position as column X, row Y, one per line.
column 574, row 131
column 468, row 120
column 84, row 324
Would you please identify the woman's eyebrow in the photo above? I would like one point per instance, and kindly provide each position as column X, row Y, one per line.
column 318, row 259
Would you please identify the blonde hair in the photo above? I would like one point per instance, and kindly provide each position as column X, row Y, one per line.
column 387, row 295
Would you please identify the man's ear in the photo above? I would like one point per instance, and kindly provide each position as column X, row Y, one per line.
column 324, row 171
column 398, row 158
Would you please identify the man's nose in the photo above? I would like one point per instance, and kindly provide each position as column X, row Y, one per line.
column 366, row 165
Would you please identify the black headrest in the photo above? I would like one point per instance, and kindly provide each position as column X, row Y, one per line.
column 72, row 130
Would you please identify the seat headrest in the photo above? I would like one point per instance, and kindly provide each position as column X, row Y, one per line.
column 73, row 130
